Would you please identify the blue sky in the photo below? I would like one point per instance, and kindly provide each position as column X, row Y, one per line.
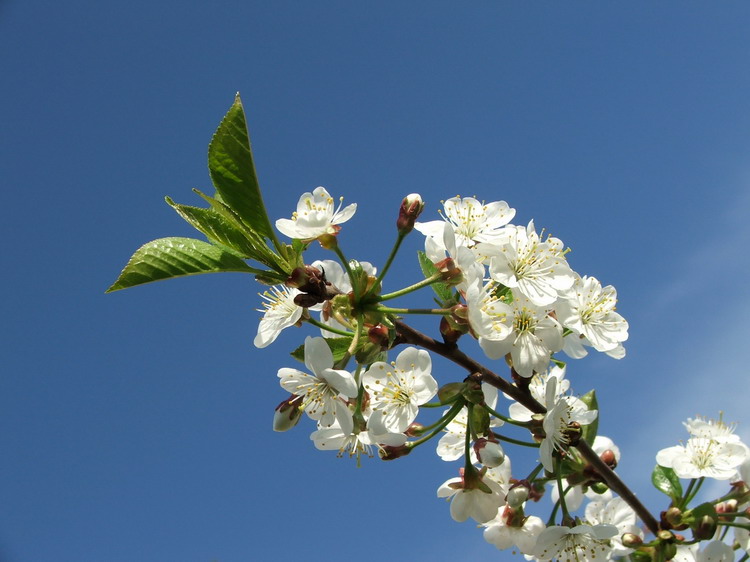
column 137, row 425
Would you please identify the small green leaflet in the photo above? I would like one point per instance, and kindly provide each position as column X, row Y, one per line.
column 443, row 291
column 665, row 480
column 166, row 258
column 338, row 346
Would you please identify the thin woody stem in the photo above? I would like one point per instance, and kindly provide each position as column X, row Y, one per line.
column 451, row 352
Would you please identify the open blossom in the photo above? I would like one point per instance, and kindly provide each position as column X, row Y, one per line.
column 470, row 220
column 280, row 312
column 717, row 430
column 322, row 390
column 354, row 444
column 538, row 391
column 618, row 513
column 714, row 551
column 315, row 216
column 533, row 336
column 398, row 389
column 582, row 543
column 561, row 412
column 502, row 532
column 703, row 457
column 451, row 445
column 337, row 277
column 469, row 501
column 588, row 309
column 535, row 268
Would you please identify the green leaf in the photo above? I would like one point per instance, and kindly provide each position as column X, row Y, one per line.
column 665, row 480
column 166, row 258
column 232, row 170
column 588, row 432
column 216, row 228
column 338, row 346
column 442, row 290
column 261, row 251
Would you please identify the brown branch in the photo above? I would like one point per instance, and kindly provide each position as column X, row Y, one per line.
column 450, row 351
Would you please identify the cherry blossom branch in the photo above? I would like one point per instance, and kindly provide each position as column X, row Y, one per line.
column 451, row 352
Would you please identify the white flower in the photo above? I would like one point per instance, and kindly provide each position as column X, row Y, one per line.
column 589, row 310
column 451, row 446
column 535, row 268
column 715, row 551
column 280, row 312
column 504, row 535
column 717, row 430
column 398, row 389
column 533, row 337
column 703, row 457
column 315, row 216
column 582, row 543
column 321, row 391
column 741, row 535
column 561, row 412
column 538, row 391
column 353, row 444
column 336, row 275
column 472, row 502
column 471, row 221
column 490, row 318
column 618, row 513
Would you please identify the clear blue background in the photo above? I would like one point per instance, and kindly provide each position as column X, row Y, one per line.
column 137, row 425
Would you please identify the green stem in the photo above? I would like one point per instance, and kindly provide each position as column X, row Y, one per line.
column 348, row 269
column 561, row 491
column 394, row 251
column 534, row 473
column 745, row 526
column 505, row 418
column 441, row 424
column 692, row 491
column 468, row 467
column 329, row 328
column 406, row 290
column 388, row 310
column 515, row 441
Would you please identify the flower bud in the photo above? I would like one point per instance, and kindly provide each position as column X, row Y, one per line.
column 411, row 207
column 705, row 528
column 391, row 452
column 379, row 335
column 490, row 454
column 517, row 495
column 414, row 430
column 287, row 414
column 631, row 540
column 673, row 516
column 608, row 458
column 450, row 273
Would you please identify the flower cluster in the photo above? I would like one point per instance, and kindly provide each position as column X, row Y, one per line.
column 510, row 288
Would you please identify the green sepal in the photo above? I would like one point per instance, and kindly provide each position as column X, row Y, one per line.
column 166, row 258
column 665, row 480
column 338, row 346
column 216, row 228
column 589, row 432
column 232, row 170
column 480, row 421
column 449, row 392
column 693, row 516
column 639, row 556
column 445, row 294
